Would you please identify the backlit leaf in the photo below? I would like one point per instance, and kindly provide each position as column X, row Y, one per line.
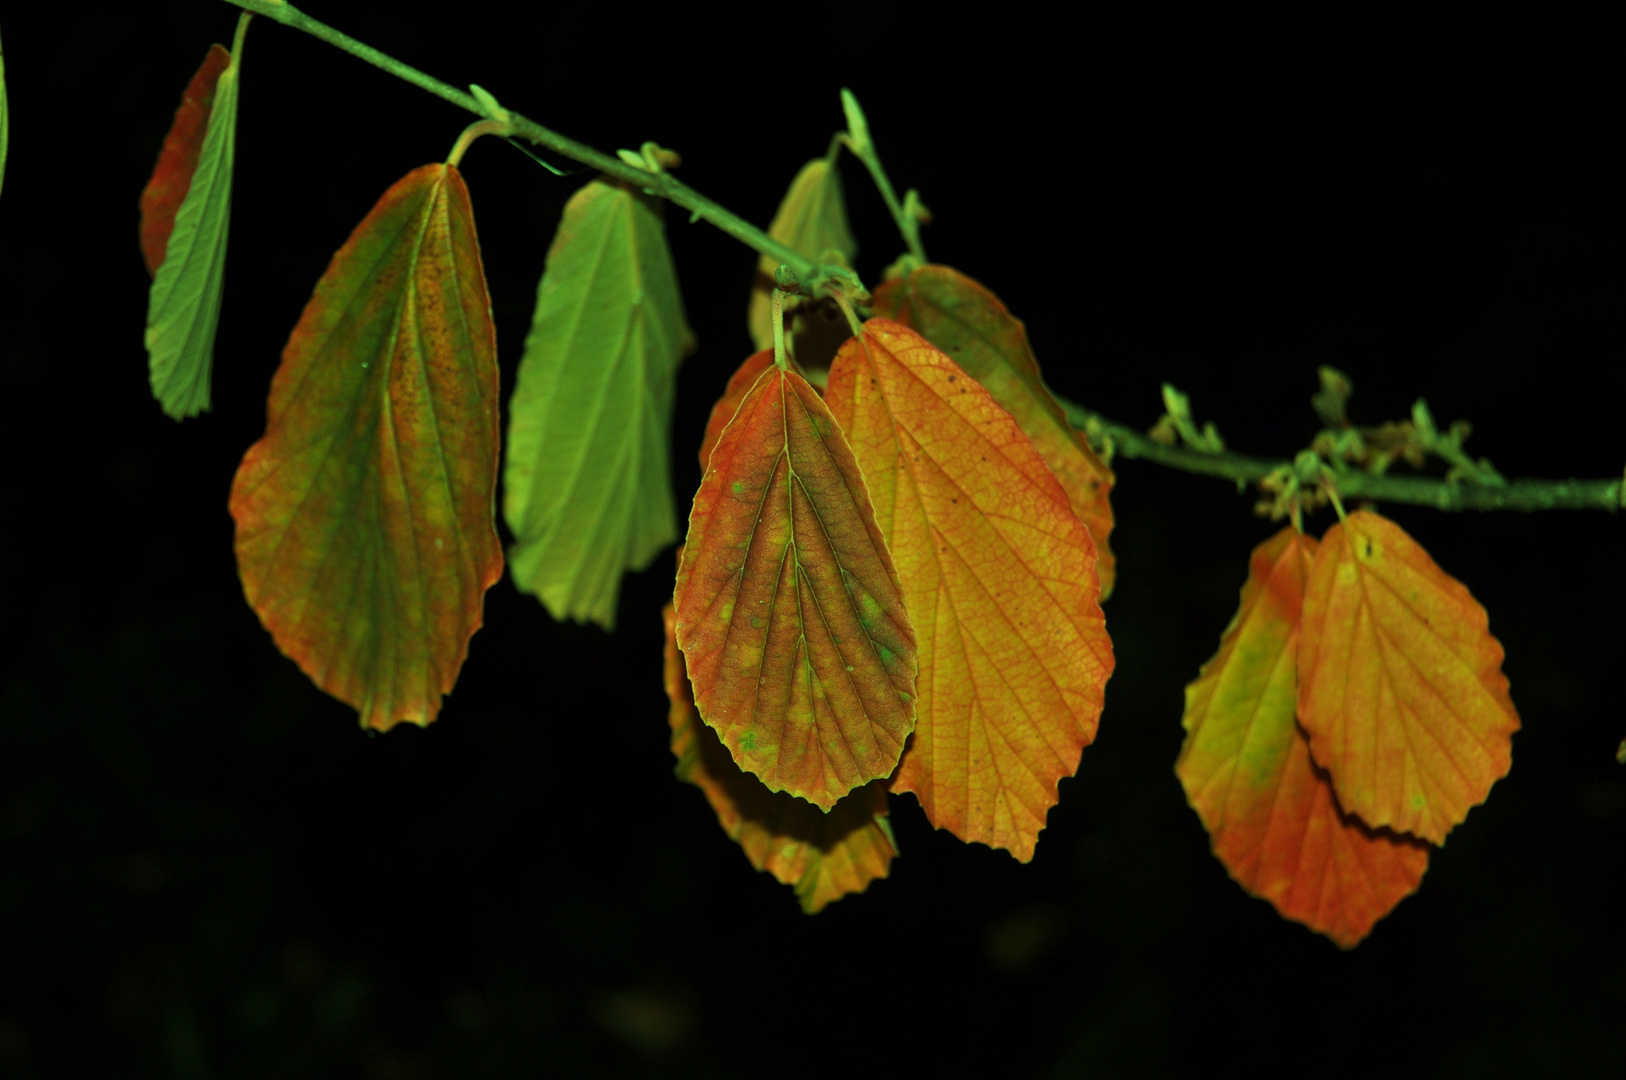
column 1400, row 682
column 739, row 384
column 1000, row 579
column 185, row 214
column 789, row 611
column 811, row 220
column 585, row 487
column 823, row 856
column 365, row 533
column 5, row 119
column 972, row 325
column 1246, row 767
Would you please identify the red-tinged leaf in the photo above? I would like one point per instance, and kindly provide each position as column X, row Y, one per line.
column 1000, row 579
column 1246, row 768
column 789, row 611
column 971, row 324
column 738, row 385
column 178, row 159
column 822, row 856
column 365, row 534
column 1400, row 682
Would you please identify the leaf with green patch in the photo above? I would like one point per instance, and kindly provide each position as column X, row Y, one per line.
column 365, row 515
column 811, row 220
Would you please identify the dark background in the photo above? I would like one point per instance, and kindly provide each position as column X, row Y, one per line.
column 207, row 870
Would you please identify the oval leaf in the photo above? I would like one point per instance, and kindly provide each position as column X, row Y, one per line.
column 972, row 325
column 739, row 384
column 789, row 611
column 812, row 220
column 1400, row 682
column 585, row 487
column 822, row 856
column 1000, row 579
column 365, row 533
column 1246, row 768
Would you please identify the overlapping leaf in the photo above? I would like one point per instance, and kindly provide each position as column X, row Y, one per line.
column 1246, row 768
column 1000, row 579
column 585, row 487
column 739, row 384
column 789, row 611
column 822, row 856
column 971, row 324
column 812, row 220
column 1400, row 682
column 185, row 214
column 365, row 534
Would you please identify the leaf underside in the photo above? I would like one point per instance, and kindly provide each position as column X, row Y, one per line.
column 1401, row 688
column 812, row 220
column 789, row 611
column 365, row 533
column 1000, row 581
column 586, row 490
column 1246, row 768
column 822, row 856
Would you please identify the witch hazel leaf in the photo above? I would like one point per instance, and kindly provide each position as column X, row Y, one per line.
column 812, row 220
column 739, row 384
column 1269, row 810
column 365, row 532
column 585, row 488
column 789, row 611
column 822, row 856
column 972, row 325
column 185, row 213
column 1400, row 682
column 1000, row 579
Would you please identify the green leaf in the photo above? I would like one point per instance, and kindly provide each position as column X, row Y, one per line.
column 5, row 119
column 585, row 488
column 812, row 220
column 183, row 306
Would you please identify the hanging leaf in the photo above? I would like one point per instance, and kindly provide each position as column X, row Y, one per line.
column 1246, row 768
column 822, row 856
column 739, row 384
column 1000, row 580
column 812, row 220
column 585, row 488
column 1400, row 682
column 185, row 212
column 789, row 612
column 5, row 119
column 365, row 535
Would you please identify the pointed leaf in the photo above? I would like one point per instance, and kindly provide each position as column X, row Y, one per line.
column 1246, row 768
column 973, row 326
column 1000, row 580
column 789, row 611
column 739, row 384
column 585, row 487
column 1400, row 682
column 185, row 212
column 811, row 220
column 823, row 856
column 365, row 533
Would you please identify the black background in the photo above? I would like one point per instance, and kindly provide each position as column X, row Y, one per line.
column 207, row 870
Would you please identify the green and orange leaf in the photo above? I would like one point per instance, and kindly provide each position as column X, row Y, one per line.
column 789, row 611
column 1400, row 682
column 739, row 384
column 964, row 319
column 178, row 158
column 1269, row 810
column 822, row 856
column 1000, row 579
column 365, row 534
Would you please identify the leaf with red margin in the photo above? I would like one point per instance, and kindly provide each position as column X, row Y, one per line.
column 1000, row 579
column 738, row 385
column 822, row 856
column 1246, row 768
column 178, row 158
column 789, row 611
column 365, row 531
column 1400, row 682
column 967, row 321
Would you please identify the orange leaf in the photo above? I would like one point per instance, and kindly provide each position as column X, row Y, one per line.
column 178, row 159
column 365, row 534
column 1401, row 687
column 1247, row 771
column 823, row 856
column 1000, row 579
column 734, row 393
column 789, row 610
column 971, row 324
